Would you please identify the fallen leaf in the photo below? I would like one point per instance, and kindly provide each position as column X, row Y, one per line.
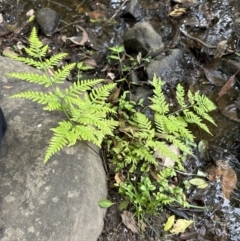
column 105, row 203
column 111, row 75
column 96, row 15
column 181, row 225
column 20, row 45
column 229, row 84
column 177, row 11
column 223, row 172
column 214, row 77
column 166, row 161
column 119, row 177
column 222, row 46
column 227, row 106
column 1, row 18
column 169, row 223
column 129, row 222
column 90, row 62
column 80, row 40
column 114, row 95
column 30, row 13
column 64, row 38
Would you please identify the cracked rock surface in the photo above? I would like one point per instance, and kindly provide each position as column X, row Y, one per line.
column 57, row 201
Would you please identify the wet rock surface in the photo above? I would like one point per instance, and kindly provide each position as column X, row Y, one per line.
column 55, row 201
column 48, row 20
column 166, row 65
column 132, row 11
column 143, row 38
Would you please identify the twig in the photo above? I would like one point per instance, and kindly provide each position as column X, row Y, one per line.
column 114, row 15
column 201, row 42
column 57, row 30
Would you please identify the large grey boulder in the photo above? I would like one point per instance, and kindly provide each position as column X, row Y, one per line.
column 52, row 202
column 143, row 38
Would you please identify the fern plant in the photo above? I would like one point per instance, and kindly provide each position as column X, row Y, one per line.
column 134, row 150
column 83, row 103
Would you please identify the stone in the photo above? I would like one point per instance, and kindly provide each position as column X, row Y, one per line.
column 57, row 201
column 165, row 65
column 132, row 11
column 48, row 20
column 143, row 38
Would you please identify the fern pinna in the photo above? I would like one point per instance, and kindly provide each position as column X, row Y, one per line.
column 83, row 103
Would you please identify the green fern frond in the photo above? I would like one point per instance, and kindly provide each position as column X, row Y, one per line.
column 202, row 105
column 180, row 94
column 37, row 52
column 100, row 94
column 144, row 154
column 178, row 143
column 141, row 121
column 54, row 60
column 190, row 117
column 159, row 104
column 29, row 61
column 32, row 77
column 36, row 48
column 163, row 148
column 59, row 139
column 201, row 101
column 61, row 74
column 49, row 99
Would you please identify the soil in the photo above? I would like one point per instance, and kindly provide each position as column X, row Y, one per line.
column 210, row 225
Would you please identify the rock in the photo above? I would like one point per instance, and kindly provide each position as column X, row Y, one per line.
column 143, row 38
column 57, row 201
column 132, row 11
column 48, row 20
column 165, row 66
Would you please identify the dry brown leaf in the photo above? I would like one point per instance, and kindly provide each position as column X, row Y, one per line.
column 119, row 177
column 222, row 46
column 227, row 86
column 64, row 38
column 177, row 11
column 224, row 172
column 114, row 95
column 96, row 15
column 214, row 77
column 129, row 222
column 90, row 62
column 79, row 40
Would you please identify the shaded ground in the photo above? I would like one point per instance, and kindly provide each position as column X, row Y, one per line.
column 209, row 21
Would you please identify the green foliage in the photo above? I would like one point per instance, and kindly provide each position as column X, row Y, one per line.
column 133, row 147
column 83, row 103
column 134, row 150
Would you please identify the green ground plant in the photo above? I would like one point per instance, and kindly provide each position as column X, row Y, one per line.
column 83, row 103
column 133, row 151
column 132, row 139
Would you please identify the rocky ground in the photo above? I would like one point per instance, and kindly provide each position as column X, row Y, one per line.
column 183, row 41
